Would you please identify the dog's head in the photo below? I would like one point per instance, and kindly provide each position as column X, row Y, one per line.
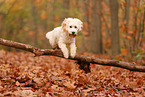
column 72, row 26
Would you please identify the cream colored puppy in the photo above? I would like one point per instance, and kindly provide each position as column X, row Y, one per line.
column 65, row 35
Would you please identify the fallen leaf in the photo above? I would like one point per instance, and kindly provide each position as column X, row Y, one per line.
column 56, row 88
column 17, row 83
column 69, row 84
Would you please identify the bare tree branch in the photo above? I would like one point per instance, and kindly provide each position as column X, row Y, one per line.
column 80, row 58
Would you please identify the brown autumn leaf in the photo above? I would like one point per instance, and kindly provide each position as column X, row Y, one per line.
column 39, row 81
column 99, row 89
column 17, row 83
column 123, row 51
column 69, row 84
column 25, row 93
column 56, row 88
column 140, row 82
column 86, row 91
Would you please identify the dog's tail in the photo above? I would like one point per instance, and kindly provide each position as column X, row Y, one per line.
column 48, row 35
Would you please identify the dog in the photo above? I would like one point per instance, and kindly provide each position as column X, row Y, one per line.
column 65, row 35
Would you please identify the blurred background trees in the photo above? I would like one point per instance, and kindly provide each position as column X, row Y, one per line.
column 110, row 26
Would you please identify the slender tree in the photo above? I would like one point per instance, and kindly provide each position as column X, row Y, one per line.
column 96, row 33
column 35, row 21
column 86, row 22
column 51, row 15
column 126, row 18
column 115, row 39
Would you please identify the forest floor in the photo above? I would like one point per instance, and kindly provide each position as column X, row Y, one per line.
column 22, row 74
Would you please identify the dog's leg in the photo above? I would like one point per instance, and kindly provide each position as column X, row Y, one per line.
column 54, row 45
column 73, row 49
column 63, row 48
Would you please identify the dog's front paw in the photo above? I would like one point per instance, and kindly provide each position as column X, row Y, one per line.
column 73, row 55
column 66, row 55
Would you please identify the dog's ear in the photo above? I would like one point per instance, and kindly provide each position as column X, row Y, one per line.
column 81, row 27
column 80, row 23
column 64, row 24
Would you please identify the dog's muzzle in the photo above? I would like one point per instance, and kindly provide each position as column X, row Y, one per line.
column 73, row 34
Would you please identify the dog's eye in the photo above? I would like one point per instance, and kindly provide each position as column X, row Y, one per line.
column 70, row 26
column 75, row 26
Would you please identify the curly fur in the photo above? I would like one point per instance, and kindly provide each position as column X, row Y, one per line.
column 65, row 35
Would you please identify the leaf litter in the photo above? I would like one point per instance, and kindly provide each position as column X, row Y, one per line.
column 24, row 75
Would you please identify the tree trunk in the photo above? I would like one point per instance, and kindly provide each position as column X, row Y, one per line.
column 142, row 29
column 115, row 43
column 86, row 22
column 99, row 27
column 127, row 13
column 35, row 21
column 96, row 33
column 51, row 15
column 82, row 60
column 126, row 18
column 135, row 25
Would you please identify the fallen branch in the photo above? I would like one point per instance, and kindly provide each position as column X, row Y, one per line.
column 80, row 58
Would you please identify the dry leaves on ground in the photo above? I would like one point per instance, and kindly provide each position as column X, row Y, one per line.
column 24, row 75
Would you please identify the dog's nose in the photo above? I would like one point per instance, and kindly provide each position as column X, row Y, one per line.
column 73, row 33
